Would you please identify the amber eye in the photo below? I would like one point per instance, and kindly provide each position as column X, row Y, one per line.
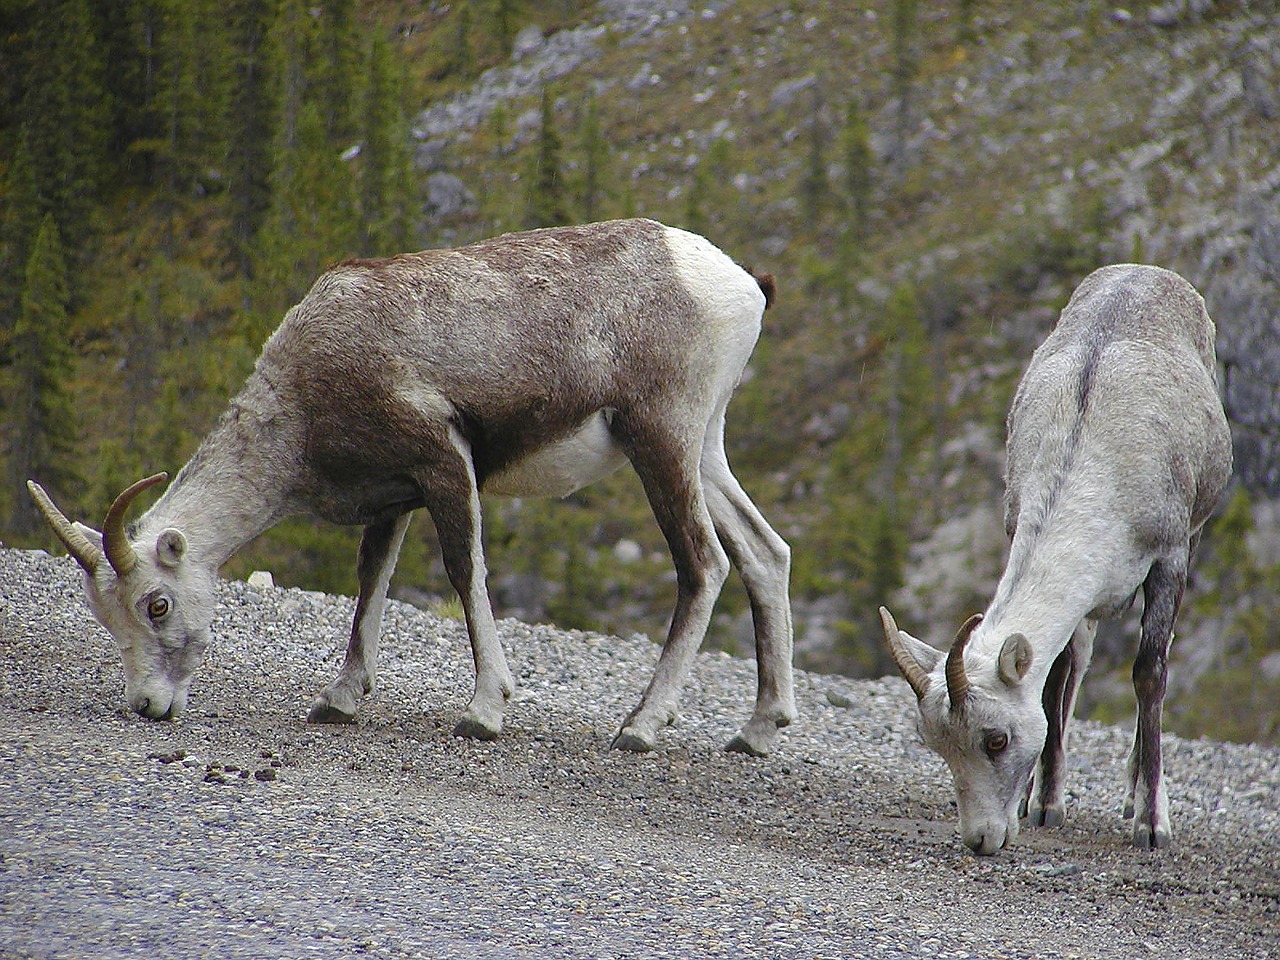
column 996, row 742
column 158, row 607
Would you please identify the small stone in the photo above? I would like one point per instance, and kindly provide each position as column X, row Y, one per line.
column 261, row 579
column 265, row 775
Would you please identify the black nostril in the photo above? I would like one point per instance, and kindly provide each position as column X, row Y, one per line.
column 142, row 706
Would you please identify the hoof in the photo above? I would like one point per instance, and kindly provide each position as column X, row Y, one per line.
column 740, row 744
column 632, row 741
column 472, row 728
column 328, row 713
column 760, row 736
column 1144, row 838
column 1047, row 816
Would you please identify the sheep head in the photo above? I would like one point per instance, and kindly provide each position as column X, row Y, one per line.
column 983, row 719
column 156, row 604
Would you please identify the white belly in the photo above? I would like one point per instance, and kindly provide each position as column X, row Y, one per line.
column 582, row 458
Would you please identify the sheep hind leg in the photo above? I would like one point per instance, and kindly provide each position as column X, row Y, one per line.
column 668, row 468
column 379, row 549
column 1148, row 803
column 1046, row 806
column 763, row 560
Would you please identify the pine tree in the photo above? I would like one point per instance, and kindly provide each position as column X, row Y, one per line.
column 544, row 197
column 335, row 79
column 124, row 34
column 311, row 222
column 41, row 418
column 461, row 57
column 20, row 216
column 695, row 199
column 906, row 390
column 255, row 100
column 67, row 121
column 386, row 176
column 814, row 188
column 505, row 16
column 858, row 170
column 905, row 68
column 594, row 152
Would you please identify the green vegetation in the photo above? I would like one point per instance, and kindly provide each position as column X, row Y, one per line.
column 173, row 176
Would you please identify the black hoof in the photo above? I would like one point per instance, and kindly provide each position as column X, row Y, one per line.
column 739, row 744
column 328, row 713
column 472, row 729
column 631, row 742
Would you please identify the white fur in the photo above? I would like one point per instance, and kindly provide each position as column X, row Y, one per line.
column 580, row 459
column 725, row 294
column 1118, row 448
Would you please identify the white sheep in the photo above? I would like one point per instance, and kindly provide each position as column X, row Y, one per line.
column 1118, row 449
column 530, row 364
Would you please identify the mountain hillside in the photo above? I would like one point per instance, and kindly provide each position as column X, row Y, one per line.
column 927, row 182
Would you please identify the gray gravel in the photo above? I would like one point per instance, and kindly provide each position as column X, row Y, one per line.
column 243, row 832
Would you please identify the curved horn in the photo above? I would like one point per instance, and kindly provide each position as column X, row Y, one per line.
column 911, row 671
column 115, row 542
column 957, row 680
column 77, row 544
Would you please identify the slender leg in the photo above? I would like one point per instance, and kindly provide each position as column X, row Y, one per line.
column 763, row 560
column 668, row 468
column 454, row 503
column 1148, row 802
column 379, row 550
column 1047, row 803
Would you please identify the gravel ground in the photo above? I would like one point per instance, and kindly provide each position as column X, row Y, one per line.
column 241, row 831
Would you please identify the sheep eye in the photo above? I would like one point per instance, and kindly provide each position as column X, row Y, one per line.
column 996, row 742
column 158, row 607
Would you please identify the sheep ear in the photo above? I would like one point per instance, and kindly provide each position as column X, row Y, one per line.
column 928, row 657
column 90, row 534
column 1015, row 659
column 171, row 547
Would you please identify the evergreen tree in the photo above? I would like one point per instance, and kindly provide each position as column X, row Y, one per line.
column 255, row 100
column 41, row 418
column 594, row 152
column 66, row 120
column 695, row 199
column 858, row 170
column 311, row 222
column 386, row 177
column 906, row 390
column 905, row 67
column 125, row 32
column 20, row 216
column 709, row 188
column 544, row 197
column 336, row 79
column 461, row 57
column 505, row 17
column 173, row 144
column 814, row 188
column 215, row 54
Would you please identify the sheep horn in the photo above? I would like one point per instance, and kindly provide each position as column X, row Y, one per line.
column 911, row 671
column 77, row 544
column 115, row 542
column 957, row 680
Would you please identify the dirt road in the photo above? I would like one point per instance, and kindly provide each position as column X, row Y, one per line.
column 240, row 831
